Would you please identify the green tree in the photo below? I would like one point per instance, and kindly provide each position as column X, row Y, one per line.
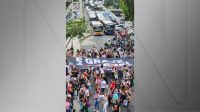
column 131, row 8
column 107, row 3
column 127, row 7
column 75, row 29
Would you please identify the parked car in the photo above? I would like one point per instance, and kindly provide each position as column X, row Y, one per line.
column 86, row 3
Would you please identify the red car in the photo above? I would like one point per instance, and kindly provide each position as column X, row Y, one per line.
column 121, row 30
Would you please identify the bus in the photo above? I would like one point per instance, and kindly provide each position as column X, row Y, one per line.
column 91, row 5
column 97, row 28
column 92, row 16
column 116, row 12
column 109, row 27
column 100, row 2
column 100, row 16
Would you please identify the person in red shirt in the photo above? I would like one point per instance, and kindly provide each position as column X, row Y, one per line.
column 112, row 85
column 70, row 89
column 85, row 75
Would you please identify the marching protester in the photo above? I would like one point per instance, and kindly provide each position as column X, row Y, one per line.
column 97, row 99
column 105, row 98
column 102, row 85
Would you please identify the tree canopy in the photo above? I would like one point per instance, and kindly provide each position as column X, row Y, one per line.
column 76, row 28
column 127, row 7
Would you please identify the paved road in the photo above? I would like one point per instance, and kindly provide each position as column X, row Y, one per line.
column 99, row 41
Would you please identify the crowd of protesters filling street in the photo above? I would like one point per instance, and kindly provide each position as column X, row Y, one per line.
column 96, row 89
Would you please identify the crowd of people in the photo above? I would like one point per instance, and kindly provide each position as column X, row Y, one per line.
column 110, row 91
column 115, row 48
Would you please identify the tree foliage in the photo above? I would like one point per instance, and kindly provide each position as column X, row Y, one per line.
column 76, row 28
column 127, row 7
column 107, row 3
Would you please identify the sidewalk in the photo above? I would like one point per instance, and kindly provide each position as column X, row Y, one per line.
column 77, row 42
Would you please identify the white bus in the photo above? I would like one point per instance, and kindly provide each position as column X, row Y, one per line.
column 117, row 12
column 109, row 27
column 92, row 16
column 100, row 16
column 97, row 28
column 100, row 2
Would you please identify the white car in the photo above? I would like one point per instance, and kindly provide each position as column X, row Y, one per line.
column 88, row 10
column 132, row 35
column 86, row 2
column 92, row 13
column 86, row 7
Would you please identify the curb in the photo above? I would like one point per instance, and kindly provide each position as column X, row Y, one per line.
column 86, row 37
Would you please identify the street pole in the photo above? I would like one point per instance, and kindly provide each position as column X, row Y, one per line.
column 81, row 8
column 72, row 5
column 114, row 4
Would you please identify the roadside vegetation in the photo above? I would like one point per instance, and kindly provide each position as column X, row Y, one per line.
column 75, row 29
column 127, row 7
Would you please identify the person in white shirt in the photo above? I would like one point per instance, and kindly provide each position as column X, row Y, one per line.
column 68, row 77
column 125, row 55
column 127, row 74
column 103, row 85
column 97, row 71
column 105, row 98
column 87, row 93
column 115, row 54
column 97, row 99
column 104, row 55
column 121, row 53
column 102, row 70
